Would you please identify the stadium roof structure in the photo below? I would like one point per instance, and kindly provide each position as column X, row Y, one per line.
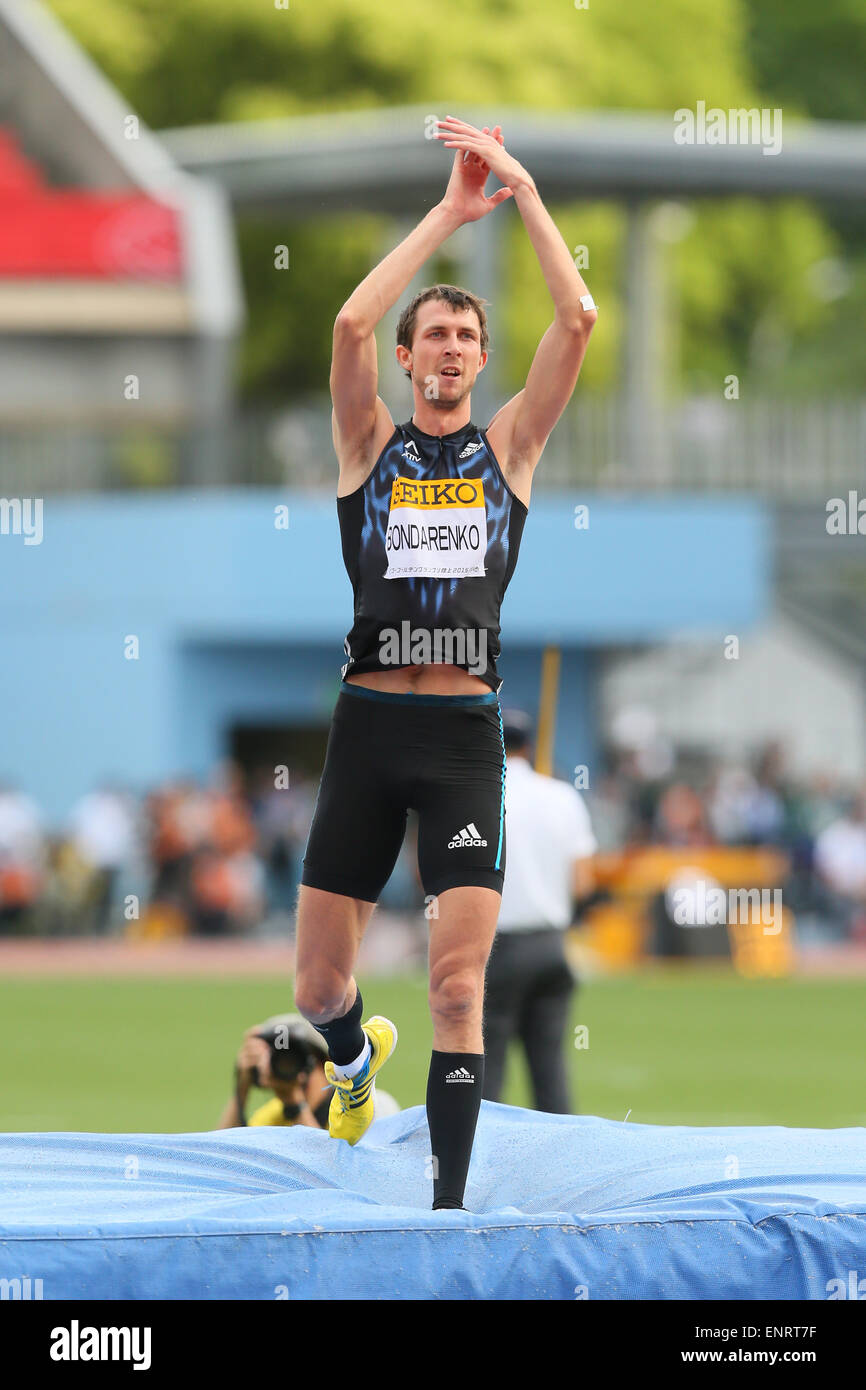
column 382, row 160
column 114, row 261
column 78, row 128
column 386, row 161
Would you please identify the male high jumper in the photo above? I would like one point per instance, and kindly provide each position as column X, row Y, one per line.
column 431, row 514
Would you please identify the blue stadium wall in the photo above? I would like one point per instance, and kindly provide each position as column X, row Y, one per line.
column 239, row 620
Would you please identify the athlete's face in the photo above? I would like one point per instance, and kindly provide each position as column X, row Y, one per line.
column 446, row 354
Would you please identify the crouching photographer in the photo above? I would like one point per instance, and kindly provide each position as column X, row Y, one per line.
column 286, row 1055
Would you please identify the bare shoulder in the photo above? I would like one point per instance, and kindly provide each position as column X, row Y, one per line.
column 516, row 469
column 358, row 459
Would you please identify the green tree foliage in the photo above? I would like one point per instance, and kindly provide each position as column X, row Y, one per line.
column 815, row 57
column 811, row 56
column 185, row 61
column 742, row 265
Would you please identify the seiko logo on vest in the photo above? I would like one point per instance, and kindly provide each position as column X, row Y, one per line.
column 437, row 528
column 471, row 448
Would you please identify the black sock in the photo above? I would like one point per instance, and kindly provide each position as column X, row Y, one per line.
column 454, row 1087
column 345, row 1036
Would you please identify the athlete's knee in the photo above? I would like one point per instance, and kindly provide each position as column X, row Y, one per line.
column 456, row 993
column 321, row 997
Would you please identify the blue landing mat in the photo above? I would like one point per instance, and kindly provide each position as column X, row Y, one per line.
column 561, row 1207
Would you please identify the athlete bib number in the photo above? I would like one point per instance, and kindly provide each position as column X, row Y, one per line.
column 437, row 529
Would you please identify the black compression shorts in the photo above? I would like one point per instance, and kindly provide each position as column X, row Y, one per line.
column 443, row 756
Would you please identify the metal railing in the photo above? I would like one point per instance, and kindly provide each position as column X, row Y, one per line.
column 784, row 450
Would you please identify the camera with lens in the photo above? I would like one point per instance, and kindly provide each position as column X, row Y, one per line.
column 295, row 1049
column 291, row 1053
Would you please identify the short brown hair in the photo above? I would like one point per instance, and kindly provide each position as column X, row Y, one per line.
column 448, row 294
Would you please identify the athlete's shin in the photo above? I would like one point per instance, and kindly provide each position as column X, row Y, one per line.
column 454, row 1086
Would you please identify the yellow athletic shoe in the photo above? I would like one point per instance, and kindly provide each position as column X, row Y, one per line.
column 351, row 1111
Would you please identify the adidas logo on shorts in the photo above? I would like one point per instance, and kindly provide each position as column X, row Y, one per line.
column 469, row 835
column 461, row 1074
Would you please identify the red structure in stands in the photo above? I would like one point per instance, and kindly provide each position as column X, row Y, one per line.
column 54, row 233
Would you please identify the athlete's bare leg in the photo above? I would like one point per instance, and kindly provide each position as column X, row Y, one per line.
column 330, row 928
column 460, row 943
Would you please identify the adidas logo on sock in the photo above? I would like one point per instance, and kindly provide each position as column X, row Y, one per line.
column 461, row 1074
column 469, row 835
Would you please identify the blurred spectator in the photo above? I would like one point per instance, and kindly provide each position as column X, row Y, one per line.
column 22, row 857
column 728, row 803
column 609, row 813
column 681, row 818
column 840, row 861
column 229, row 824
column 171, row 812
column 203, row 843
column 225, row 891
column 749, row 808
column 765, row 808
column 103, row 835
column 282, row 818
column 822, row 802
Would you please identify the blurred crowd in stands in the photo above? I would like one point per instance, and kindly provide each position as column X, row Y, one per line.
column 649, row 795
column 226, row 857
column 207, row 860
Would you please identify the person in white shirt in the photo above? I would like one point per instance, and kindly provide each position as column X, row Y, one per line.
column 529, row 983
column 839, row 859
column 103, row 830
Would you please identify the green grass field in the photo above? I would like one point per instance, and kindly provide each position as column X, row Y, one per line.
column 694, row 1047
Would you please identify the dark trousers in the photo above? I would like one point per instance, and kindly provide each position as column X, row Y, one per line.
column 528, row 994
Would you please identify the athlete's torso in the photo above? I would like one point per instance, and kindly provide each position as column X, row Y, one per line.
column 430, row 541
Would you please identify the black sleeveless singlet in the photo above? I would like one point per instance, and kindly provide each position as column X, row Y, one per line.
column 430, row 542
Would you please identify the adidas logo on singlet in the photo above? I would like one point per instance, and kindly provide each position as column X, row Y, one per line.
column 471, row 448
column 469, row 835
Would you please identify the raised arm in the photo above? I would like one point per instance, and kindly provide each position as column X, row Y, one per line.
column 354, row 367
column 521, row 428
column 354, row 364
